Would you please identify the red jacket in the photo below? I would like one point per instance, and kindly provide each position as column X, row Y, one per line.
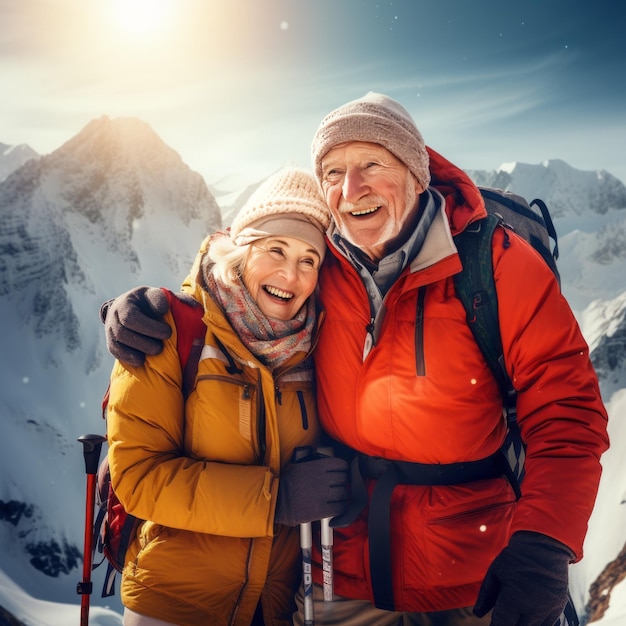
column 444, row 538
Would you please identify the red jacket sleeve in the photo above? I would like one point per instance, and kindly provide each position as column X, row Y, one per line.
column 560, row 411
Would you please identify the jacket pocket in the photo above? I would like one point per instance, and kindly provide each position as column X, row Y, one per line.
column 222, row 420
column 193, row 569
column 150, row 535
column 463, row 529
column 461, row 544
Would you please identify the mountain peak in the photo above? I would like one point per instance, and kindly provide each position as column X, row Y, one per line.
column 123, row 164
column 106, row 139
column 565, row 189
column 114, row 194
column 13, row 157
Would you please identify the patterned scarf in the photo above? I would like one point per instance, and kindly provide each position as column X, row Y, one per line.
column 271, row 340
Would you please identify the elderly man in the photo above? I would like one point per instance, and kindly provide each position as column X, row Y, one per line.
column 403, row 386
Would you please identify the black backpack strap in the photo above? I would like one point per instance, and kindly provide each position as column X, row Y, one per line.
column 475, row 288
column 549, row 224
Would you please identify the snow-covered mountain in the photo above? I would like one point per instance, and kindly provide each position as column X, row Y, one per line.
column 566, row 190
column 12, row 157
column 113, row 208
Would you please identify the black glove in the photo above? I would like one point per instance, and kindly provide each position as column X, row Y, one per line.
column 133, row 324
column 312, row 490
column 526, row 583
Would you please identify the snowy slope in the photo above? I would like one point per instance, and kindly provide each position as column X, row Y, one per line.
column 113, row 208
column 32, row 612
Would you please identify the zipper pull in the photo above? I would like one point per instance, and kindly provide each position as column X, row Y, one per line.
column 369, row 339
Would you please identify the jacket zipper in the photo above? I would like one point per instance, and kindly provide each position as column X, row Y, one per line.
column 245, row 394
column 261, row 417
column 420, row 361
column 244, row 585
column 227, row 379
column 303, row 411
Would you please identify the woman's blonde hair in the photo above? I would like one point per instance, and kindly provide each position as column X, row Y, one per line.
column 229, row 259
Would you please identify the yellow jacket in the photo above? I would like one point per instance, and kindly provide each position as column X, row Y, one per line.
column 205, row 474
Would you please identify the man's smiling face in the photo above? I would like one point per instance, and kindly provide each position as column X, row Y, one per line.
column 371, row 194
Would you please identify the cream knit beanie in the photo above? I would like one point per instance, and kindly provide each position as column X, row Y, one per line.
column 375, row 118
column 288, row 203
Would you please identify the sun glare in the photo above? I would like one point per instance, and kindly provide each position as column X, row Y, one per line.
column 142, row 16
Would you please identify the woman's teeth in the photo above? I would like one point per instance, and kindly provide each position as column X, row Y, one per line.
column 279, row 293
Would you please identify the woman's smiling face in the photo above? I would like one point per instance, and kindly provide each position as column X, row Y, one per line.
column 281, row 273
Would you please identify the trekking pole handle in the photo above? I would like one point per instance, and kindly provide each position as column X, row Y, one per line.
column 92, row 445
column 91, row 452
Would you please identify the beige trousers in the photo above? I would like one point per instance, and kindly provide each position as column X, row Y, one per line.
column 344, row 612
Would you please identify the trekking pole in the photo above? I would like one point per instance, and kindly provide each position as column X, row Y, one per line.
column 327, row 545
column 305, row 453
column 91, row 451
column 306, row 544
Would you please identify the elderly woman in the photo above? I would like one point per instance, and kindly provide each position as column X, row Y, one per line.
column 211, row 472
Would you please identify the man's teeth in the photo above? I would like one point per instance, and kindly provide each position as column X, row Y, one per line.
column 279, row 293
column 365, row 211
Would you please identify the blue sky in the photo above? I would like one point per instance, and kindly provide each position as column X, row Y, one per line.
column 239, row 86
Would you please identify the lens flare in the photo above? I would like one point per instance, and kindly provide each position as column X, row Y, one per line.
column 142, row 16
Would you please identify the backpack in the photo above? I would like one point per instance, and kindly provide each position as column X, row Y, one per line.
column 114, row 528
column 475, row 287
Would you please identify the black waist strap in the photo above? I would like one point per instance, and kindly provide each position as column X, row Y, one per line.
column 426, row 474
column 388, row 474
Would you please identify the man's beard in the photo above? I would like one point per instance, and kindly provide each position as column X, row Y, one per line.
column 392, row 227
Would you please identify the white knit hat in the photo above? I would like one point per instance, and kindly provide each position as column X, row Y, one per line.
column 288, row 203
column 375, row 118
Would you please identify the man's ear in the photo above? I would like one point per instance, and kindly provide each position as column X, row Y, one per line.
column 419, row 188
